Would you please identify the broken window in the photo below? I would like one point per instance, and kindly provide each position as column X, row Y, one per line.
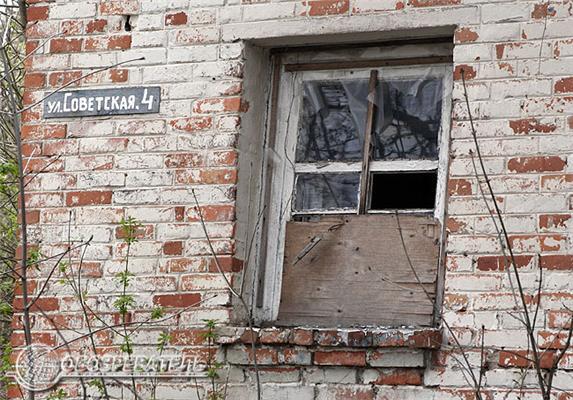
column 358, row 182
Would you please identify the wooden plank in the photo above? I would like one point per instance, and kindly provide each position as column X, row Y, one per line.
column 346, row 46
column 367, row 148
column 357, row 273
column 272, row 132
column 318, row 66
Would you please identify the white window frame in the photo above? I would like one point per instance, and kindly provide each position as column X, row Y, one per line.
column 282, row 156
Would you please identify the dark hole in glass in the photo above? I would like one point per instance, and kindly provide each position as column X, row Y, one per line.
column 408, row 190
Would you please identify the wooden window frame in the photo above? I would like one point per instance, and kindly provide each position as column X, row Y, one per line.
column 279, row 183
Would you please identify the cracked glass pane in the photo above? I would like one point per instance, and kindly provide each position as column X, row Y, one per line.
column 327, row 191
column 408, row 119
column 332, row 121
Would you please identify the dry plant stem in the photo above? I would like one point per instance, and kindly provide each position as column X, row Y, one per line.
column 23, row 224
column 528, row 326
column 230, row 287
column 88, row 322
column 147, row 321
column 558, row 359
column 467, row 365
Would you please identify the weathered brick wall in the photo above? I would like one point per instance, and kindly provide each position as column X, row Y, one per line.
column 518, row 58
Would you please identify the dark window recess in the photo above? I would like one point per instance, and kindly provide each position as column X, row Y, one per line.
column 401, row 191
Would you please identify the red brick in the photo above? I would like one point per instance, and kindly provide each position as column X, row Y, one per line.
column 179, row 18
column 88, row 198
column 465, row 35
column 570, row 121
column 58, row 79
column 96, row 26
column 326, row 7
column 184, row 160
column 523, row 359
column 469, row 72
column 37, row 13
column 90, row 269
column 528, row 125
column 31, row 46
column 564, row 85
column 192, row 124
column 459, row 187
column 500, row 263
column 433, row 3
column 34, row 80
column 177, row 300
column 207, row 176
column 119, row 7
column 550, row 221
column 44, row 131
column 214, row 213
column 425, row 339
column 302, row 337
column 173, row 248
column 536, row 164
column 48, row 339
column 72, row 28
column 329, row 338
column 45, row 304
column 221, row 104
column 556, row 262
column 336, row 392
column 187, row 337
column 66, row 45
column 542, row 10
column 400, row 376
column 559, row 319
column 179, row 214
column 118, row 75
column 141, row 232
column 340, row 357
column 121, row 42
column 274, row 336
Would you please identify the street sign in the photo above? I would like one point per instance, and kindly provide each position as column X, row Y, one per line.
column 102, row 102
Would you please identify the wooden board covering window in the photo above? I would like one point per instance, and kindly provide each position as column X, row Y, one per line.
column 357, row 274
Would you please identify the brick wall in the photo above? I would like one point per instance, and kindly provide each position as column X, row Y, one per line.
column 518, row 59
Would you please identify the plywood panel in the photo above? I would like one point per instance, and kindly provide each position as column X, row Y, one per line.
column 353, row 271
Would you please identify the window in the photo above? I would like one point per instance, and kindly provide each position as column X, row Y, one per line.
column 359, row 150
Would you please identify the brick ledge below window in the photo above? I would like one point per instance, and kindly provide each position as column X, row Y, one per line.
column 400, row 347
column 417, row 338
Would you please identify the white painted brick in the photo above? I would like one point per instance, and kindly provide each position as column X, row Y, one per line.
column 192, row 54
column 138, row 161
column 535, row 203
column 95, row 179
column 258, row 12
column 168, row 73
column 505, row 12
column 73, row 10
column 149, row 39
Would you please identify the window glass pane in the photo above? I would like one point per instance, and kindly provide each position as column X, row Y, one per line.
column 326, row 191
column 402, row 191
column 408, row 119
column 332, row 122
